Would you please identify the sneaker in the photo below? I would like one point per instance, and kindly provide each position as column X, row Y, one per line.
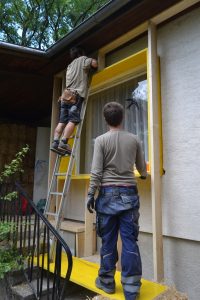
column 107, row 288
column 64, row 148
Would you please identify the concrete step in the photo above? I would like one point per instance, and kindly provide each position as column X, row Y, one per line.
column 23, row 291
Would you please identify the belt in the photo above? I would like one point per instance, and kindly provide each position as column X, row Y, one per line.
column 113, row 190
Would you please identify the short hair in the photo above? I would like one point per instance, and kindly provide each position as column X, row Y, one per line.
column 113, row 113
column 76, row 52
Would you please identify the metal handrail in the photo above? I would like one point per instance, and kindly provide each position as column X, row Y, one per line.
column 32, row 238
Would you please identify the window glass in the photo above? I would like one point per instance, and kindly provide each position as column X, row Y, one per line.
column 132, row 94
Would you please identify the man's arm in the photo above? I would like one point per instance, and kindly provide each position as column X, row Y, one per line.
column 89, row 63
column 140, row 161
column 97, row 168
column 94, row 63
column 96, row 174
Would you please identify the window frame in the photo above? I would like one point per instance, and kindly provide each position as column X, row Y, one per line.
column 119, row 72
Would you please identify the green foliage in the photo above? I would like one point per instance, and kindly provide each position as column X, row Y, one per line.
column 5, row 229
column 40, row 23
column 9, row 260
column 10, row 196
column 14, row 166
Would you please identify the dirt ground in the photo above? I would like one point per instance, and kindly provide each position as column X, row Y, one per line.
column 80, row 293
column 170, row 294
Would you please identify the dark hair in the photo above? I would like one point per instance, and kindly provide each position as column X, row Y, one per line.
column 76, row 52
column 113, row 113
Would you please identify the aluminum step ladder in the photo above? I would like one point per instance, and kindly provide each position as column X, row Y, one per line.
column 59, row 198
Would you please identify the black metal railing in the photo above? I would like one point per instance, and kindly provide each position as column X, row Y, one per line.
column 32, row 237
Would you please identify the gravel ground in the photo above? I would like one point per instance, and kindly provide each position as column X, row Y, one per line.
column 76, row 292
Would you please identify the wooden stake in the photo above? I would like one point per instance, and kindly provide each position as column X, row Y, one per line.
column 155, row 153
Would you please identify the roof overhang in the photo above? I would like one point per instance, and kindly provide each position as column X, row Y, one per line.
column 27, row 74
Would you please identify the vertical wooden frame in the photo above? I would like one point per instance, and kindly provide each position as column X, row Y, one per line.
column 154, row 124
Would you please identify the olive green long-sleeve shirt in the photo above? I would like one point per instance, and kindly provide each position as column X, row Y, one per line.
column 77, row 75
column 115, row 154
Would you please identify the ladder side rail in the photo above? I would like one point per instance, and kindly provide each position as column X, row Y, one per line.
column 71, row 165
column 55, row 169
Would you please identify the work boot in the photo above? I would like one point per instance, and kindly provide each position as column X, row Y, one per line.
column 64, row 148
column 108, row 288
column 54, row 145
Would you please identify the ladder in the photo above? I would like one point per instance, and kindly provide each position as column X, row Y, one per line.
column 53, row 194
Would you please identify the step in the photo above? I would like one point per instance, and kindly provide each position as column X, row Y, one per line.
column 71, row 226
column 25, row 292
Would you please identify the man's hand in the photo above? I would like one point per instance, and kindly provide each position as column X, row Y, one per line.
column 143, row 177
column 90, row 203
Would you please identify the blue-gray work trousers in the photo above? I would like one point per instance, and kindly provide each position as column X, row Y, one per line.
column 118, row 211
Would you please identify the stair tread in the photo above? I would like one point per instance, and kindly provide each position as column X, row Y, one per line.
column 24, row 290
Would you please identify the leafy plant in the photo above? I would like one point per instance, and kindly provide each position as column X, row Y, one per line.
column 5, row 229
column 15, row 165
column 9, row 257
column 9, row 260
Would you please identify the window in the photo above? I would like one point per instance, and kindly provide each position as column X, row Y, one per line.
column 123, row 82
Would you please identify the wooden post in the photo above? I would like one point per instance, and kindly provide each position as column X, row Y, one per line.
column 155, row 162
column 101, row 61
column 88, row 244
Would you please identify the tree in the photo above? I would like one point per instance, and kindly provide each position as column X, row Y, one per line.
column 40, row 23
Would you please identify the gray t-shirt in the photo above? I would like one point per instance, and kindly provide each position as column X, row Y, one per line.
column 115, row 154
column 77, row 75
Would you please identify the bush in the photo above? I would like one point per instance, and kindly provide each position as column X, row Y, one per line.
column 9, row 257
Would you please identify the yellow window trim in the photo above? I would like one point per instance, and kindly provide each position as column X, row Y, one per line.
column 123, row 70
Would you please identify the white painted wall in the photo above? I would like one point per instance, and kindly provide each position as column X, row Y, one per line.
column 41, row 164
column 179, row 51
column 181, row 263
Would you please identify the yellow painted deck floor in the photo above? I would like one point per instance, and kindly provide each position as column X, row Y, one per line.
column 84, row 274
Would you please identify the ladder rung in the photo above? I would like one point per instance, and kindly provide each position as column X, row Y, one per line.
column 60, row 174
column 56, row 193
column 51, row 214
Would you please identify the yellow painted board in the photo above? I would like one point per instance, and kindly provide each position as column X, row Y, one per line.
column 77, row 177
column 87, row 176
column 119, row 68
column 84, row 274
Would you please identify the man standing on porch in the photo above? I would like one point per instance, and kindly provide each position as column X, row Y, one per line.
column 117, row 204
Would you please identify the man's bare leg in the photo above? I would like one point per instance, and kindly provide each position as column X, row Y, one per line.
column 68, row 131
column 58, row 130
column 57, row 133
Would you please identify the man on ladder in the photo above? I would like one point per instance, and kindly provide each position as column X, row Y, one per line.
column 77, row 83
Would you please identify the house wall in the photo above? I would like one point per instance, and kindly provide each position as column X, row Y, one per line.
column 179, row 51
column 181, row 263
column 41, row 164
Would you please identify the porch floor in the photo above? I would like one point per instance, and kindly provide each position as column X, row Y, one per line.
column 85, row 272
